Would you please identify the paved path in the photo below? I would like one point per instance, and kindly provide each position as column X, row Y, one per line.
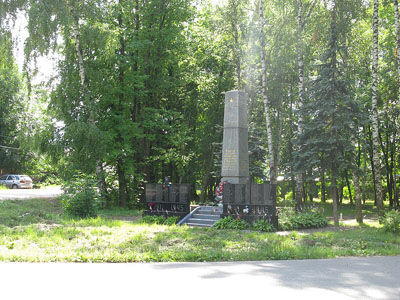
column 24, row 194
column 345, row 278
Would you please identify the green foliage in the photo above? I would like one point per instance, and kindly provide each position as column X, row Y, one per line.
column 231, row 223
column 81, row 198
column 289, row 219
column 160, row 220
column 263, row 225
column 391, row 221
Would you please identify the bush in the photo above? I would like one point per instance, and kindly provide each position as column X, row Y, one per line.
column 289, row 219
column 263, row 225
column 391, row 221
column 161, row 220
column 81, row 198
column 231, row 223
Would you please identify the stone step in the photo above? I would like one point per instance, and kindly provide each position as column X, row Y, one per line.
column 214, row 210
column 197, row 225
column 201, row 221
column 206, row 216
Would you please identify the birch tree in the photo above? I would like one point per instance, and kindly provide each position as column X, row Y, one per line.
column 267, row 105
column 375, row 112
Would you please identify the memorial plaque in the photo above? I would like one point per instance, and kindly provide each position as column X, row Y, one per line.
column 267, row 194
column 170, row 200
column 174, row 193
column 240, row 193
column 257, row 194
column 184, row 193
column 229, row 193
column 159, row 193
column 150, row 192
column 250, row 202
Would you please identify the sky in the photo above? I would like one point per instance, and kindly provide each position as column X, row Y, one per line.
column 46, row 64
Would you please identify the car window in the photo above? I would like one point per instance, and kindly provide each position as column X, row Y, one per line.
column 17, row 177
column 4, row 177
column 11, row 177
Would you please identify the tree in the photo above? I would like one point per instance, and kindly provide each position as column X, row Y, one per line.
column 11, row 107
column 375, row 113
column 301, row 23
column 267, row 110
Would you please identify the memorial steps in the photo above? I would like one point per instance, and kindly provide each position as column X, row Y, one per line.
column 203, row 216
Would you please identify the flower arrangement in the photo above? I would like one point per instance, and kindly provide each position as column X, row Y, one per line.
column 219, row 191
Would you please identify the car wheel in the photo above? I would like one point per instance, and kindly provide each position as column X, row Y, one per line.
column 14, row 186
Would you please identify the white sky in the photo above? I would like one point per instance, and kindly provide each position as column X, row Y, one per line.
column 46, row 65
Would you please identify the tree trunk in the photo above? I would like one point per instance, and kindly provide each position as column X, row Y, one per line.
column 355, row 170
column 341, row 193
column 349, row 187
column 375, row 117
column 301, row 22
column 396, row 18
column 206, row 174
column 334, row 194
column 267, row 104
column 357, row 191
column 323, row 188
column 122, row 184
column 300, row 61
column 364, row 179
column 397, row 25
column 236, row 47
column 82, row 73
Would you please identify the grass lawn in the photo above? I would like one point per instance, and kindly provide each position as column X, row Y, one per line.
column 35, row 231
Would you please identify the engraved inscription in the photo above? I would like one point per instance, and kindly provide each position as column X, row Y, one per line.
column 230, row 159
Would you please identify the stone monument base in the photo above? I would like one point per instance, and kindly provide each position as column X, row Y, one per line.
column 168, row 200
column 250, row 202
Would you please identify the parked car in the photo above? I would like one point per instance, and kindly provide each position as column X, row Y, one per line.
column 16, row 181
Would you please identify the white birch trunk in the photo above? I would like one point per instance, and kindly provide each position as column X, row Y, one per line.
column 396, row 19
column 267, row 106
column 375, row 116
column 299, row 176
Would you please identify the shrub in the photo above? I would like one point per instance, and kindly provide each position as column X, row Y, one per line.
column 263, row 225
column 81, row 198
column 161, row 220
column 289, row 219
column 391, row 221
column 231, row 223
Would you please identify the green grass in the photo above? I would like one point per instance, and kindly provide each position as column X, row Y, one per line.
column 347, row 209
column 45, row 236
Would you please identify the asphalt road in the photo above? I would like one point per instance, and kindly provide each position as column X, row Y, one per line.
column 374, row 278
column 24, row 194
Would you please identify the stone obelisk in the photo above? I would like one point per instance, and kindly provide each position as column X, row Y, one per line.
column 235, row 155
